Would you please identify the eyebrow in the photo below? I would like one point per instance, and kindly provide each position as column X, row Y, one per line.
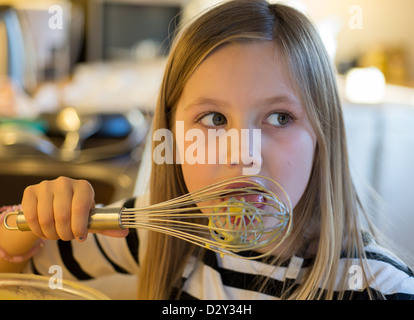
column 280, row 99
column 205, row 101
column 268, row 101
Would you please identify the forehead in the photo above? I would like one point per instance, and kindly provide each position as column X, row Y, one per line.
column 241, row 73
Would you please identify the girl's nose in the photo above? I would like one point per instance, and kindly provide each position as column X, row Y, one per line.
column 246, row 153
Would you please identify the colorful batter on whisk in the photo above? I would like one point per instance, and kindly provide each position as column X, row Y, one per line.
column 236, row 222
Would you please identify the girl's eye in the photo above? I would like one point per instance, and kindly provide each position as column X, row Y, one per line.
column 279, row 119
column 213, row 119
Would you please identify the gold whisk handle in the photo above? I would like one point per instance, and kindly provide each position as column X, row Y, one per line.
column 105, row 219
column 99, row 219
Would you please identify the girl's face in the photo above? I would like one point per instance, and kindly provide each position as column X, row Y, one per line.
column 248, row 87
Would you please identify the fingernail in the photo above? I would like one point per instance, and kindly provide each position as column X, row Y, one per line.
column 80, row 239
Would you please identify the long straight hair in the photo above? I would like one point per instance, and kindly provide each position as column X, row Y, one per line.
column 327, row 214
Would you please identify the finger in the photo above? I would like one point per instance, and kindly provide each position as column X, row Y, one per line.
column 122, row 233
column 82, row 203
column 62, row 204
column 29, row 207
column 45, row 210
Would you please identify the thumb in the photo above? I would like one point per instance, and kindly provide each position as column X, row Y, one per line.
column 113, row 233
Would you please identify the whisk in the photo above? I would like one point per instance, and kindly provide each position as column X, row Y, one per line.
column 228, row 217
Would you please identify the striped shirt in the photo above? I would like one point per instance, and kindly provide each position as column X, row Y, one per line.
column 111, row 265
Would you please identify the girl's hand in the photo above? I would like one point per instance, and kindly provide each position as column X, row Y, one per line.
column 59, row 209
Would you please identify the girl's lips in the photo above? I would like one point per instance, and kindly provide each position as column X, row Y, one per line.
column 255, row 199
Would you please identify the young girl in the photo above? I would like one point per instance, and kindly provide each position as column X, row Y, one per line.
column 242, row 65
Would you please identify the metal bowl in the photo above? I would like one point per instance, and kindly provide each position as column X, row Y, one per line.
column 15, row 286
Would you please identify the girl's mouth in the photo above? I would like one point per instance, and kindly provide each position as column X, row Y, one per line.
column 245, row 192
column 248, row 192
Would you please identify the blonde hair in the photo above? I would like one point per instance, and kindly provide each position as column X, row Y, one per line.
column 327, row 213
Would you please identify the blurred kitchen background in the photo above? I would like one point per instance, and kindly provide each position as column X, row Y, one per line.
column 79, row 81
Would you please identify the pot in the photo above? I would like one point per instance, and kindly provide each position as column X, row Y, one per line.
column 16, row 286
